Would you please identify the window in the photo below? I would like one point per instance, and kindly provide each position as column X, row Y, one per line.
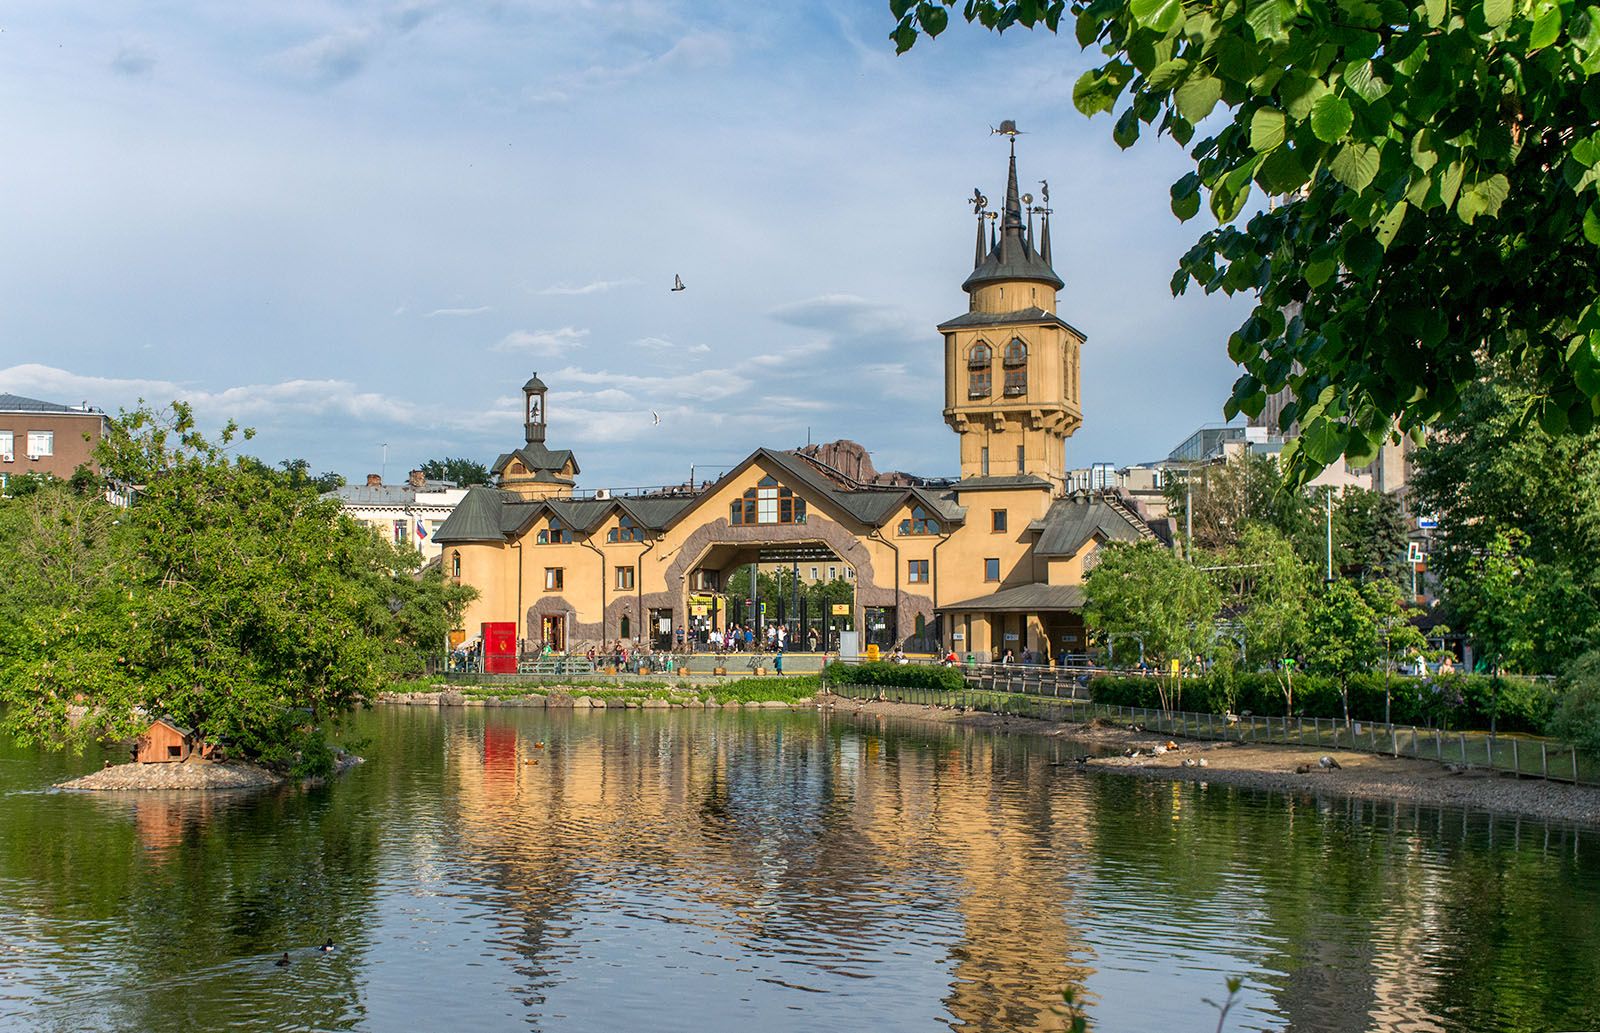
column 833, row 573
column 555, row 578
column 991, row 570
column 919, row 523
column 1016, row 364
column 455, row 564
column 624, row 579
column 625, row 531
column 400, row 532
column 767, row 503
column 917, row 572
column 849, row 574
column 997, row 520
column 623, row 628
column 706, row 580
column 8, row 449
column 813, row 573
column 980, row 375
column 554, row 533
column 41, row 442
column 983, row 462
column 1022, row 459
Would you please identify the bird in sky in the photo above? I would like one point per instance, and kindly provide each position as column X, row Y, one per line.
column 677, row 283
column 655, row 418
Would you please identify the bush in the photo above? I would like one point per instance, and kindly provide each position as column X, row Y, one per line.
column 1453, row 701
column 907, row 676
column 1576, row 716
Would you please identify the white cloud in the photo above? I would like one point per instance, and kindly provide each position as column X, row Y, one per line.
column 480, row 310
column 593, row 287
column 542, row 342
column 330, row 58
column 134, row 60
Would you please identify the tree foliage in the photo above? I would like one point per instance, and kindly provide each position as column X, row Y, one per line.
column 1142, row 593
column 1439, row 166
column 1271, row 591
column 228, row 596
column 464, row 472
column 1486, row 477
column 1577, row 713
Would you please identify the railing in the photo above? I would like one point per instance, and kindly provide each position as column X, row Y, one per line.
column 1520, row 755
column 555, row 665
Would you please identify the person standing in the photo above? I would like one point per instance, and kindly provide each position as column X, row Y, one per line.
column 777, row 663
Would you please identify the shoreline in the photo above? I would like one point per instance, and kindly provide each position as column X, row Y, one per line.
column 1272, row 767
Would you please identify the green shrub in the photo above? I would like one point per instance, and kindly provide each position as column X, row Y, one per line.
column 785, row 689
column 906, row 676
column 1576, row 715
column 1452, row 701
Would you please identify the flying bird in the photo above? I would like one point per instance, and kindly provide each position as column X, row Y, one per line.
column 655, row 418
column 677, row 283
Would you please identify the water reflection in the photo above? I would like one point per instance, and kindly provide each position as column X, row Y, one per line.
column 718, row 870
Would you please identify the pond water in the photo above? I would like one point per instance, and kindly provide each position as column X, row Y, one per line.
column 711, row 871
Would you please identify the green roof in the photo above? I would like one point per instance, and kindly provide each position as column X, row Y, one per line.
column 476, row 518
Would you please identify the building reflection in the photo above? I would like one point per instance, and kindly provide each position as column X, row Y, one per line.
column 821, row 840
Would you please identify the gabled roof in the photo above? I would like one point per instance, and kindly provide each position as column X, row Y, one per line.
column 1025, row 598
column 1073, row 521
column 166, row 719
column 1022, row 317
column 536, row 457
column 477, row 518
column 654, row 512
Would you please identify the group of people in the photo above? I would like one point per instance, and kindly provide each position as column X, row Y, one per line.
column 747, row 638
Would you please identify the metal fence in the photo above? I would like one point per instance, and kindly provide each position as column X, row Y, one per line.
column 1521, row 755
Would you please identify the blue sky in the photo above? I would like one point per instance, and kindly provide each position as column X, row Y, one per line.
column 348, row 224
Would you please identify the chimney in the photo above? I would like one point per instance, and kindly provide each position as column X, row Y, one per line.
column 374, row 480
column 416, row 480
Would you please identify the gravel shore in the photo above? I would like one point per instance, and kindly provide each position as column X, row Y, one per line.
column 187, row 775
column 1260, row 766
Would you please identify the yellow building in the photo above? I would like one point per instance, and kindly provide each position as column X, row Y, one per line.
column 990, row 562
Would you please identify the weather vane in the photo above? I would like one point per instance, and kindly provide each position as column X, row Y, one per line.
column 977, row 200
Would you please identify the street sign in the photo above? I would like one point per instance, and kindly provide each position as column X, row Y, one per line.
column 1428, row 523
column 841, row 609
column 1414, row 552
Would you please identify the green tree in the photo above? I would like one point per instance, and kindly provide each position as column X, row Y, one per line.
column 1142, row 592
column 237, row 602
column 464, row 472
column 1485, row 475
column 1271, row 589
column 1229, row 496
column 1577, row 714
column 1370, row 536
column 1343, row 636
column 1438, row 166
column 300, row 476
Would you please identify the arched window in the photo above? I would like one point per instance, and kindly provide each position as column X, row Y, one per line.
column 980, row 372
column 554, row 533
column 622, row 631
column 455, row 563
column 1015, row 360
column 919, row 523
column 625, row 531
column 767, row 503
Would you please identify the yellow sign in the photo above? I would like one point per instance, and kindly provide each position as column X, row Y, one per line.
column 841, row 609
column 1174, row 667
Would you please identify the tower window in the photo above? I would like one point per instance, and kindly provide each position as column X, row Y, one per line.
column 998, row 519
column 455, row 564
column 980, row 375
column 991, row 569
column 1022, row 459
column 983, row 462
column 1015, row 360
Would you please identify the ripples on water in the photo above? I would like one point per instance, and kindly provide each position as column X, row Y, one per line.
column 717, row 871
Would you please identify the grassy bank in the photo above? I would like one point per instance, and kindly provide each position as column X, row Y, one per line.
column 790, row 689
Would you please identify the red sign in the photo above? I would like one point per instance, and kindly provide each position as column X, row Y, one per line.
column 500, row 647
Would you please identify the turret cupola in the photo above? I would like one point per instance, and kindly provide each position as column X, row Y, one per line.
column 1011, row 363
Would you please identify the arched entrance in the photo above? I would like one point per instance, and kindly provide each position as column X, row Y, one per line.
column 804, row 596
